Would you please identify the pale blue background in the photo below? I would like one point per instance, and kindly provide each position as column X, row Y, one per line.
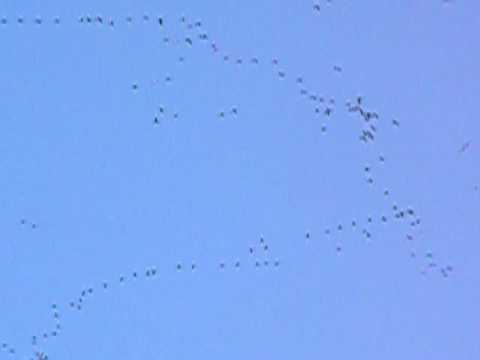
column 112, row 193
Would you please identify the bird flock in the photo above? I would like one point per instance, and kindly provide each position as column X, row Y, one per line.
column 323, row 107
column 258, row 257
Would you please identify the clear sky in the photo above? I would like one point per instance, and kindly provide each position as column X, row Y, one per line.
column 93, row 188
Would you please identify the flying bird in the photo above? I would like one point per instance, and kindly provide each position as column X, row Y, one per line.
column 464, row 147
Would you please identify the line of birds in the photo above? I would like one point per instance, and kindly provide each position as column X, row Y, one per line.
column 256, row 260
column 370, row 119
column 368, row 135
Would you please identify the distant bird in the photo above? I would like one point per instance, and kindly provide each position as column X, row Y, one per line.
column 129, row 19
column 395, row 123
column 464, row 147
column 281, row 74
column 307, row 235
column 38, row 21
column 135, row 86
column 316, row 7
column 254, row 60
column 189, row 41
column 337, row 68
column 160, row 21
column 56, row 21
column 20, row 20
column 328, row 111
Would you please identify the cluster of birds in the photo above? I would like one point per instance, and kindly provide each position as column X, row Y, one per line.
column 32, row 225
column 322, row 105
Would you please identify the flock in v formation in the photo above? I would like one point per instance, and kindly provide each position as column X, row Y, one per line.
column 259, row 254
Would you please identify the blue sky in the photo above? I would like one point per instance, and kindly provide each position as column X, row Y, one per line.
column 93, row 189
